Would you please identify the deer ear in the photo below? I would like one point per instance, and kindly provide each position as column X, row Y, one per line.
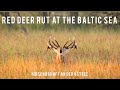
column 75, row 45
column 47, row 49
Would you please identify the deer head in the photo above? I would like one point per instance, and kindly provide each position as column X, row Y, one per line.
column 61, row 51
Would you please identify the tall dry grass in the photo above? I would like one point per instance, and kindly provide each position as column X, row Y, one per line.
column 98, row 54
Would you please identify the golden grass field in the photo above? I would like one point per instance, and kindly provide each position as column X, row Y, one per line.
column 98, row 54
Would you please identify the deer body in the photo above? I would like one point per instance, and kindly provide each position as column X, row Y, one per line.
column 61, row 52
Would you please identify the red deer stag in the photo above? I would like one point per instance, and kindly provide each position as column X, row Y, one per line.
column 61, row 51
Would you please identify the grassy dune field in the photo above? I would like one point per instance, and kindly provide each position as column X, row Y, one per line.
column 98, row 54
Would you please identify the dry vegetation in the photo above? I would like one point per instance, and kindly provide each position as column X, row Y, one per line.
column 98, row 54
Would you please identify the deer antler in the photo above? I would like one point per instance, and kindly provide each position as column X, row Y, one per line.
column 52, row 45
column 57, row 42
column 73, row 44
column 66, row 43
column 49, row 47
